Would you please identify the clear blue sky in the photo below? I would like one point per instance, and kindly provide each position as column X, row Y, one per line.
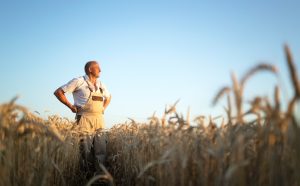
column 151, row 52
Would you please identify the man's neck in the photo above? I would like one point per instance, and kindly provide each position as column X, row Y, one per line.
column 92, row 79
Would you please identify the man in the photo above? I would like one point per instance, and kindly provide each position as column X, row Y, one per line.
column 91, row 98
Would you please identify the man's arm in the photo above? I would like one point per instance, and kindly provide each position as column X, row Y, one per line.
column 106, row 102
column 60, row 95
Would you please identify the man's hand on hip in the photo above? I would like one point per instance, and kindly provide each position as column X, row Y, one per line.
column 73, row 108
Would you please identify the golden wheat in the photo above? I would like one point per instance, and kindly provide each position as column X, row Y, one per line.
column 167, row 150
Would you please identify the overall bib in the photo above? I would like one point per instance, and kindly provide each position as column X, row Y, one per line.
column 91, row 123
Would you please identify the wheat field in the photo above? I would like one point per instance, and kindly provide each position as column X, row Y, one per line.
column 167, row 150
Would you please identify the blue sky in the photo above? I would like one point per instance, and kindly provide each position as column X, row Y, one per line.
column 151, row 52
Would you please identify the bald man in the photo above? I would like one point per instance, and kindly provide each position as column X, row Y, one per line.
column 91, row 98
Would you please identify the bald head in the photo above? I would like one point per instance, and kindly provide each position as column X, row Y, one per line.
column 88, row 65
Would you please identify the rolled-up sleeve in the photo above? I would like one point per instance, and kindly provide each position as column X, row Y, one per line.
column 70, row 86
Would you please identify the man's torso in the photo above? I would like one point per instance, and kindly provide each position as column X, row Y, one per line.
column 81, row 89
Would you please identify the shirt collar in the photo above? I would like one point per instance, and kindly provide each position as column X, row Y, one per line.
column 86, row 77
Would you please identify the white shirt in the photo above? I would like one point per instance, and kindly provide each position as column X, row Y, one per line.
column 80, row 89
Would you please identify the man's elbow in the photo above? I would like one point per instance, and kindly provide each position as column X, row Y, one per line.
column 57, row 92
column 109, row 99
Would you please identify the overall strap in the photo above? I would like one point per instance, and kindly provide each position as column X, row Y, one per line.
column 88, row 84
column 100, row 88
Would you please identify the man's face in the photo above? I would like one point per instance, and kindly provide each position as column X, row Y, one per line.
column 95, row 70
